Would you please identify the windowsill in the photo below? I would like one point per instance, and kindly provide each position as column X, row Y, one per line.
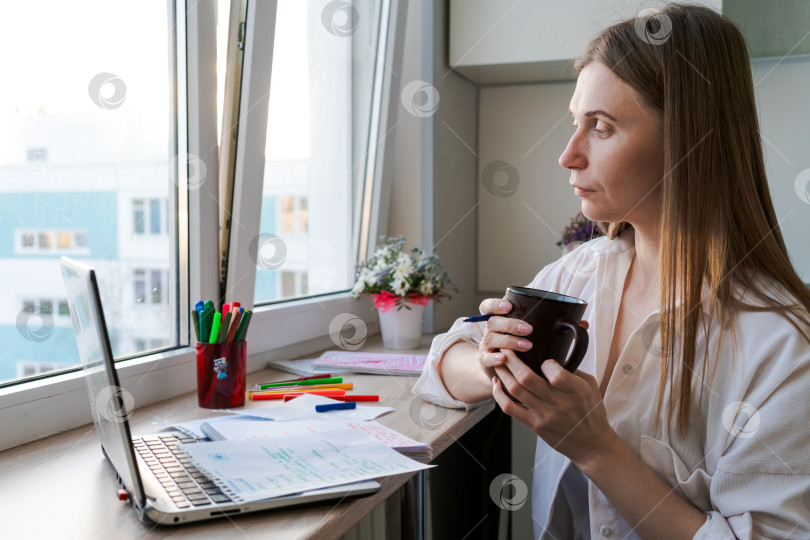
column 92, row 509
column 280, row 331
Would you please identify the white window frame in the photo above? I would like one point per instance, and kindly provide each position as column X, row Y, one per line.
column 290, row 328
column 286, row 324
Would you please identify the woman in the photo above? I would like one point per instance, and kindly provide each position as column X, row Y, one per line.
column 687, row 417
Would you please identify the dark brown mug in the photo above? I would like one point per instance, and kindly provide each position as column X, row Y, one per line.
column 555, row 324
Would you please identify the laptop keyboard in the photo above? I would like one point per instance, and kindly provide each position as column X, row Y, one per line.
column 184, row 483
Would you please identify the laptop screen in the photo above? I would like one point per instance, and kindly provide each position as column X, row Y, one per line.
column 109, row 402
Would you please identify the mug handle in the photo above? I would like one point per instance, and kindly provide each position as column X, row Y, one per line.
column 580, row 344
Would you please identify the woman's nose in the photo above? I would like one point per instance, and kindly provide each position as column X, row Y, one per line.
column 573, row 157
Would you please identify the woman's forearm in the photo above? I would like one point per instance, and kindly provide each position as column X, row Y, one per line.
column 647, row 503
column 462, row 375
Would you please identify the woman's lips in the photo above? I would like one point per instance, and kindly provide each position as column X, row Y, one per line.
column 582, row 192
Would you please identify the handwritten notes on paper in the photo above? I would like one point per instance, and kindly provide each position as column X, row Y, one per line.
column 254, row 469
column 252, row 428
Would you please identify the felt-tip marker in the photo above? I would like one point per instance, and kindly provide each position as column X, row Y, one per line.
column 335, row 406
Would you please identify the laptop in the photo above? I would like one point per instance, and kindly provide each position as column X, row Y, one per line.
column 158, row 479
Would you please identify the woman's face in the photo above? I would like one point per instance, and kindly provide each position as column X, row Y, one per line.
column 616, row 154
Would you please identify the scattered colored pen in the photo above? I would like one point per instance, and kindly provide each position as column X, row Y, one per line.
column 479, row 318
column 280, row 395
column 335, row 406
column 309, row 378
column 287, row 389
column 328, row 380
column 347, row 397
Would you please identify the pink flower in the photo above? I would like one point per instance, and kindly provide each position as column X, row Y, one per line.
column 419, row 299
column 385, row 300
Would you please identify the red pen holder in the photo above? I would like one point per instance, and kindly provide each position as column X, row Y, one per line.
column 221, row 369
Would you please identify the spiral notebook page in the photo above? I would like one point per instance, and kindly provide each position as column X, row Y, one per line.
column 249, row 470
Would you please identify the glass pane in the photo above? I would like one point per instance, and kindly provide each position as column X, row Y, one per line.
column 86, row 138
column 320, row 95
column 154, row 216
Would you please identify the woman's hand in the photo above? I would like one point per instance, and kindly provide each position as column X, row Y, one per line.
column 566, row 410
column 500, row 333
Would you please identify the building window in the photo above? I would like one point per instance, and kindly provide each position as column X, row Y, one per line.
column 293, row 283
column 154, row 216
column 293, row 214
column 64, row 240
column 44, row 242
column 46, row 307
column 302, row 215
column 27, row 240
column 33, row 155
column 29, row 368
column 154, row 280
column 150, row 215
column 29, row 306
column 140, row 286
column 138, row 217
column 157, row 286
column 80, row 239
column 64, row 309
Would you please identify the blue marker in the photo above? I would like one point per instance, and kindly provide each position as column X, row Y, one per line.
column 479, row 318
column 336, row 406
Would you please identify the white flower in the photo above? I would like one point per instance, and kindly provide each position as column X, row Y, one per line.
column 400, row 287
column 425, row 288
column 365, row 279
column 403, row 259
column 380, row 265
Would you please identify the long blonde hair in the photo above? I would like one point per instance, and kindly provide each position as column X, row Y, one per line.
column 718, row 225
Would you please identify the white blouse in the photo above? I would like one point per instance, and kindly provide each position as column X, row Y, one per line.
column 746, row 459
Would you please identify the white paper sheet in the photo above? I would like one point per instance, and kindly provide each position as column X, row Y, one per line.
column 253, row 469
column 252, row 428
column 192, row 427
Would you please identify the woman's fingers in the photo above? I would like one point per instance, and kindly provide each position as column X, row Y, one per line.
column 506, row 325
column 492, row 359
column 520, row 381
column 516, row 410
column 496, row 340
column 498, row 306
column 584, row 324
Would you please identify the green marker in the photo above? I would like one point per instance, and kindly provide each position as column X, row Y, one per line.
column 303, row 383
column 226, row 324
column 195, row 318
column 206, row 318
column 215, row 327
column 242, row 328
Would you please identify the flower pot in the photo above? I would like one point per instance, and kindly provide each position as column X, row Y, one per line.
column 402, row 329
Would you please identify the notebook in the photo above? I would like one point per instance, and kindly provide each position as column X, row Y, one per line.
column 374, row 363
column 159, row 479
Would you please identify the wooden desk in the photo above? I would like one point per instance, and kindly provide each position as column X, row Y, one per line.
column 63, row 487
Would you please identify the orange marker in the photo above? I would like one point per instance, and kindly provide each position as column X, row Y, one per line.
column 237, row 315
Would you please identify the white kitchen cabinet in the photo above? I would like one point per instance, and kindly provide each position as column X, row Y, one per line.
column 513, row 41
